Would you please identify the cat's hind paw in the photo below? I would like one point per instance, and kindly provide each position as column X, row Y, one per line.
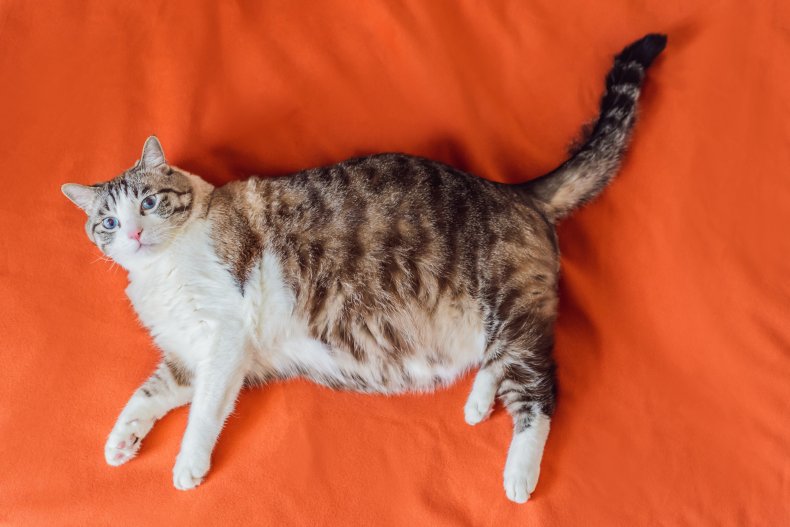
column 480, row 402
column 521, row 478
column 517, row 488
column 477, row 410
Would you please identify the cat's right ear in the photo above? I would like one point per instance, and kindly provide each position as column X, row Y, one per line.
column 82, row 196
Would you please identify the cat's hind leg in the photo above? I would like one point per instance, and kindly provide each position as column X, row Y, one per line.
column 528, row 392
column 166, row 389
column 481, row 399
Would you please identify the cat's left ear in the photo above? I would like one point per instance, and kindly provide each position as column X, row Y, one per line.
column 81, row 195
column 153, row 155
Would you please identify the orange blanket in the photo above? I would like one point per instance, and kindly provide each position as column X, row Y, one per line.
column 674, row 325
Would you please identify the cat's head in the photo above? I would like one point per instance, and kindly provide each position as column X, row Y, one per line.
column 137, row 214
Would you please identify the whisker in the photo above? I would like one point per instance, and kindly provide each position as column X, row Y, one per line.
column 102, row 258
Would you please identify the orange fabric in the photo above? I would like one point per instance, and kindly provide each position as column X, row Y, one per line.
column 673, row 333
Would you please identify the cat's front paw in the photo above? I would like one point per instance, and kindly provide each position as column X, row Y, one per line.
column 190, row 469
column 125, row 440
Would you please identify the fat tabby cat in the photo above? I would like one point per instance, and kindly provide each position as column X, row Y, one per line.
column 381, row 274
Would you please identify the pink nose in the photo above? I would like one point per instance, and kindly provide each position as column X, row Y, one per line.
column 135, row 234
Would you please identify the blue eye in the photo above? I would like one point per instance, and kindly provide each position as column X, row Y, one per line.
column 148, row 203
column 109, row 223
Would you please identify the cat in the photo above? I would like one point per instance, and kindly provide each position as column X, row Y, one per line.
column 380, row 274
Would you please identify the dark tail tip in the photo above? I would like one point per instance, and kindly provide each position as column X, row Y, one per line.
column 645, row 50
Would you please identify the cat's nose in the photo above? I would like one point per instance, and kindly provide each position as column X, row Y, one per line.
column 135, row 234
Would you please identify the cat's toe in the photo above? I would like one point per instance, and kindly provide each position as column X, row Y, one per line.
column 476, row 410
column 125, row 440
column 520, row 482
column 120, row 449
column 189, row 472
column 517, row 488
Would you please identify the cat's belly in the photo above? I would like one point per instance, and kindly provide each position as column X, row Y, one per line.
column 186, row 312
column 316, row 361
column 442, row 346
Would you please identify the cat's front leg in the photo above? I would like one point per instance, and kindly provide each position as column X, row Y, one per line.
column 167, row 388
column 217, row 382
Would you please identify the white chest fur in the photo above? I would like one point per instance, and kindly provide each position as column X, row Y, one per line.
column 184, row 295
column 188, row 300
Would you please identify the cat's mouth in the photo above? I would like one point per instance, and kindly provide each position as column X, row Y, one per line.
column 143, row 247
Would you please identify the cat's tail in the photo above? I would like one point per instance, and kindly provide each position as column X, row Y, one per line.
column 582, row 177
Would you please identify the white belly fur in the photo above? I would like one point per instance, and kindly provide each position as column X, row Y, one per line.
column 185, row 296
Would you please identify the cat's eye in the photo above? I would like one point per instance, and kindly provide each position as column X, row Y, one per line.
column 110, row 223
column 148, row 203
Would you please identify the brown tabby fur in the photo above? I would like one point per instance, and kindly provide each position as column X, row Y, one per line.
column 396, row 233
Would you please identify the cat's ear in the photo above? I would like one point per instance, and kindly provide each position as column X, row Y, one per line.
column 153, row 155
column 81, row 195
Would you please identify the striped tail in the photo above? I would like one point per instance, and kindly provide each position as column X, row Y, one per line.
column 582, row 177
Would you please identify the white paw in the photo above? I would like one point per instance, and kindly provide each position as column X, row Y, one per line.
column 520, row 484
column 517, row 488
column 477, row 408
column 189, row 471
column 125, row 440
column 522, row 467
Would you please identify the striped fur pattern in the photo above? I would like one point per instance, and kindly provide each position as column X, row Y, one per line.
column 589, row 170
column 380, row 274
